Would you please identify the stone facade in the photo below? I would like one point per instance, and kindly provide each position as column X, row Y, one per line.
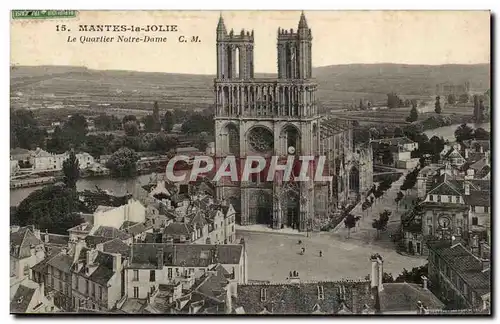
column 277, row 117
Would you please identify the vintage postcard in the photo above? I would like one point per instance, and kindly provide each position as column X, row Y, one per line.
column 250, row 162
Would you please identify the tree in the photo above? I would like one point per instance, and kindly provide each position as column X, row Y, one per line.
column 149, row 124
column 464, row 133
column 131, row 128
column 168, row 121
column 413, row 276
column 464, row 98
column 399, row 197
column 380, row 224
column 437, row 105
column 105, row 122
column 71, row 170
column 481, row 134
column 53, row 208
column 374, row 133
column 413, row 115
column 123, row 163
column 361, row 105
column 398, row 132
column 129, row 118
column 202, row 143
column 198, row 123
column 156, row 117
column 393, row 100
column 349, row 222
column 451, row 99
column 24, row 130
column 97, row 145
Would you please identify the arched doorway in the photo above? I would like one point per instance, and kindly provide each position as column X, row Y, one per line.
column 291, row 205
column 354, row 179
column 264, row 209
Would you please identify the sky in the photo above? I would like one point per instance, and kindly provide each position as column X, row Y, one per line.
column 339, row 37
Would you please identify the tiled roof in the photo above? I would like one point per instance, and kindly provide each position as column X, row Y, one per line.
column 178, row 228
column 445, row 188
column 101, row 208
column 137, row 229
column 104, row 270
column 404, row 297
column 127, row 224
column 475, row 156
column 480, row 184
column 92, row 240
column 42, row 265
column 21, row 300
column 467, row 266
column 484, row 172
column 111, row 232
column 116, row 246
column 444, row 205
column 214, row 283
column 145, row 255
column 62, row 262
column 304, row 298
column 477, row 166
column 478, row 198
column 21, row 242
column 57, row 239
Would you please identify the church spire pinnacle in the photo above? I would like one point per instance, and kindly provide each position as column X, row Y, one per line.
column 221, row 26
column 302, row 21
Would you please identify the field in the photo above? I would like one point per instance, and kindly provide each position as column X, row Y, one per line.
column 339, row 85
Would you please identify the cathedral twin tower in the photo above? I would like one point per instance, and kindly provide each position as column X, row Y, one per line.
column 235, row 58
column 266, row 117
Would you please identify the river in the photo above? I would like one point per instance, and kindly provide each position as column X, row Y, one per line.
column 118, row 187
column 121, row 187
column 448, row 132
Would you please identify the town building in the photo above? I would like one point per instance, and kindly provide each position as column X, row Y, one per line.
column 400, row 148
column 154, row 264
column 26, row 250
column 45, row 161
column 460, row 279
column 451, row 154
column 453, row 207
column 278, row 117
column 29, row 298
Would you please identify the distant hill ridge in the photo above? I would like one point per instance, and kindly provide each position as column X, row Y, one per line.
column 338, row 84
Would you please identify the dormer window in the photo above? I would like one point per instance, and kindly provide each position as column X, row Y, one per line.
column 263, row 294
column 321, row 293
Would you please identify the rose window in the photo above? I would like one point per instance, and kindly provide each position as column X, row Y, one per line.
column 261, row 139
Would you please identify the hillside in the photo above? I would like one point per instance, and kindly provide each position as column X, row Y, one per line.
column 59, row 86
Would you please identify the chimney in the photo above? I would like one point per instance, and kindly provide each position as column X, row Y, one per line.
column 374, row 275
column 117, row 263
column 380, row 263
column 420, row 307
column 294, row 278
column 46, row 237
column 42, row 288
column 486, row 264
column 466, row 153
column 37, row 233
column 467, row 189
column 424, row 282
column 229, row 300
column 159, row 258
column 377, row 271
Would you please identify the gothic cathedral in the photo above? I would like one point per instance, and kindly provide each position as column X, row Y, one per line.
column 279, row 117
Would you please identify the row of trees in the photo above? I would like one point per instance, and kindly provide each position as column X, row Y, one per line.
column 464, row 133
column 56, row 208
